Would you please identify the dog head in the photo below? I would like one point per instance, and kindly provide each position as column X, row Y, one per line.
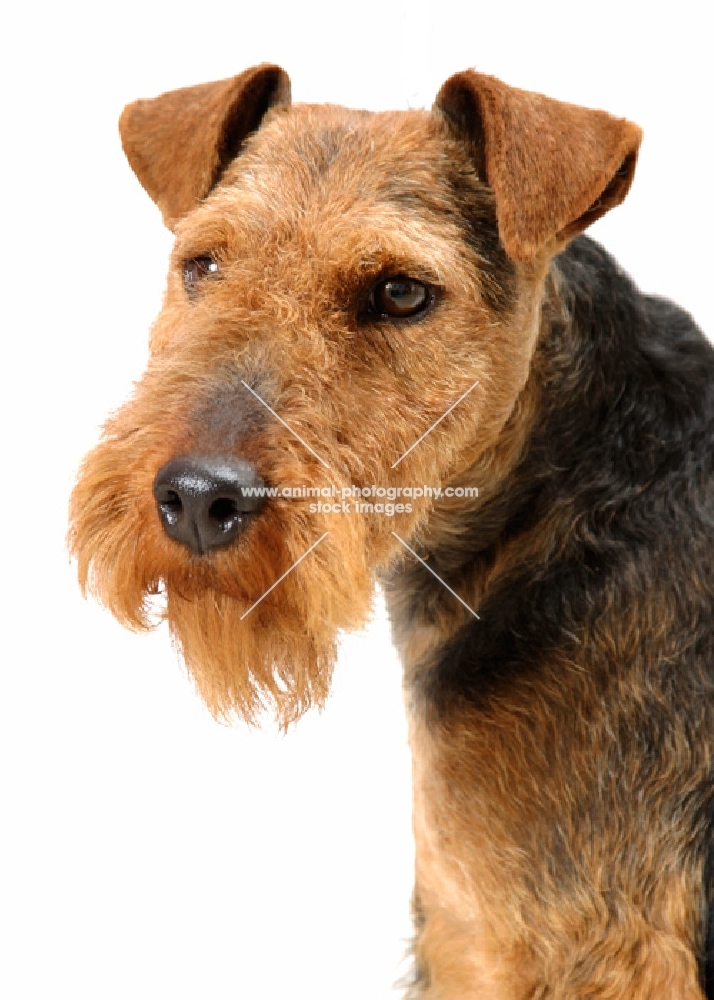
column 353, row 300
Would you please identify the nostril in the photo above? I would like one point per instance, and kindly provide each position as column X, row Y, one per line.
column 223, row 511
column 170, row 505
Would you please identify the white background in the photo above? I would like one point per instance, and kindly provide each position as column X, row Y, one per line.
column 146, row 851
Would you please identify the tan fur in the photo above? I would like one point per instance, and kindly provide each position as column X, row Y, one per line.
column 176, row 143
column 578, row 163
column 484, row 857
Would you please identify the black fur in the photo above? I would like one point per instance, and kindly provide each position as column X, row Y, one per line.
column 624, row 444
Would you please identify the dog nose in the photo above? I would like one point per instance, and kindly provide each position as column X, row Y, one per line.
column 205, row 502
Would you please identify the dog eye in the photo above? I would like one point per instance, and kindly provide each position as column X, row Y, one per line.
column 400, row 298
column 196, row 269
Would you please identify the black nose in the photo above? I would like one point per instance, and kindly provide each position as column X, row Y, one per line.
column 204, row 502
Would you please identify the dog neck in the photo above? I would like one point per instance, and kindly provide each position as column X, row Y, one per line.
column 554, row 465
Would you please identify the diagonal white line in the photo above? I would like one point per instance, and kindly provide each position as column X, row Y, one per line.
column 314, row 545
column 436, row 575
column 286, row 425
column 436, row 422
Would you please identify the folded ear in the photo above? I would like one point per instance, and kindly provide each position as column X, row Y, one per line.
column 554, row 168
column 179, row 144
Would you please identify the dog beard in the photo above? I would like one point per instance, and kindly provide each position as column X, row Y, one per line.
column 249, row 653
column 257, row 623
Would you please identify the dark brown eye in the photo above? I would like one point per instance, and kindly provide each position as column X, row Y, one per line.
column 197, row 269
column 400, row 298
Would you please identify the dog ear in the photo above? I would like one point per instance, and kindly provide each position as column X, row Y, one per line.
column 554, row 168
column 179, row 144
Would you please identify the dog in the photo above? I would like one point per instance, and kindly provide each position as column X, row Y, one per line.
column 387, row 353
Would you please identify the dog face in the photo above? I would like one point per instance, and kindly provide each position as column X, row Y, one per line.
column 339, row 281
